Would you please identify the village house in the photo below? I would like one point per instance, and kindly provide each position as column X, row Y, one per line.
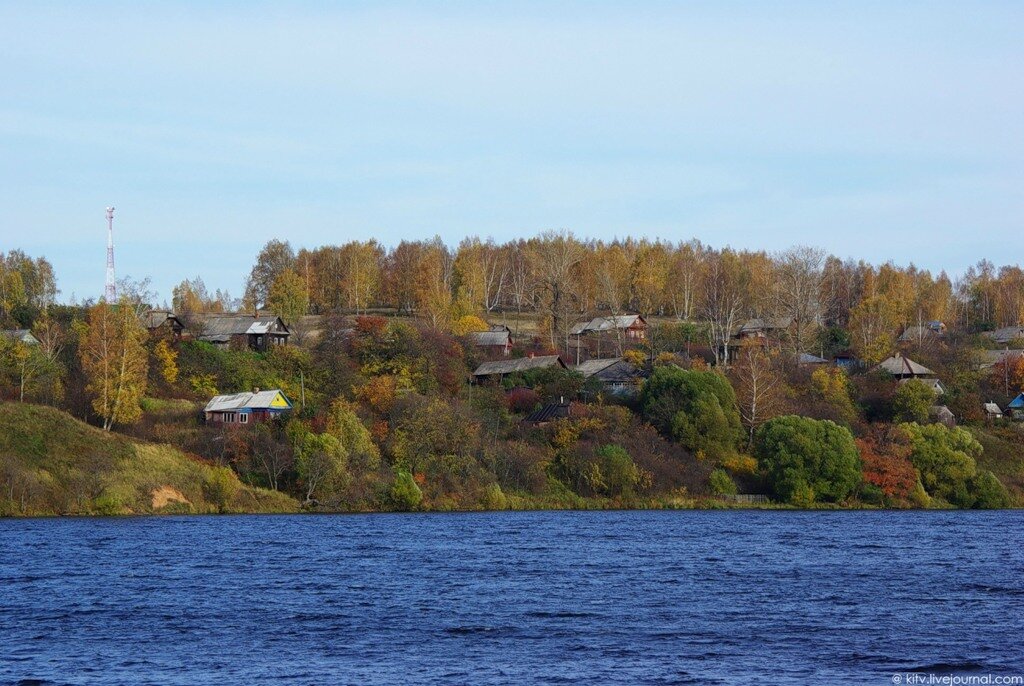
column 493, row 343
column 162, row 323
column 20, row 336
column 260, row 332
column 763, row 329
column 807, row 359
column 549, row 413
column 247, row 408
column 904, row 369
column 919, row 334
column 502, row 368
column 940, row 414
column 992, row 411
column 1016, row 407
column 632, row 327
column 618, row 376
column 1006, row 335
column 991, row 358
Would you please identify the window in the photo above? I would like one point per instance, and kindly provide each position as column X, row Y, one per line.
column 243, row 418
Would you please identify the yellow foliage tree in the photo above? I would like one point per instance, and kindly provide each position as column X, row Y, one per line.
column 113, row 356
column 467, row 324
column 167, row 357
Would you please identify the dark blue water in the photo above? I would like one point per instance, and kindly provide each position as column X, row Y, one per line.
column 563, row 597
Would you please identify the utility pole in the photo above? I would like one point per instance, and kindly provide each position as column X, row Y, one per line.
column 110, row 293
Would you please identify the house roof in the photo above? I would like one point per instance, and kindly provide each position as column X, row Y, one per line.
column 990, row 358
column 1017, row 403
column 549, row 413
column 520, row 364
column 154, row 319
column 764, row 324
column 622, row 321
column 941, row 412
column 1006, row 334
column 614, row 370
column 262, row 400
column 897, row 365
column 914, row 333
column 23, row 335
column 992, row 408
column 219, row 326
column 492, row 338
column 808, row 358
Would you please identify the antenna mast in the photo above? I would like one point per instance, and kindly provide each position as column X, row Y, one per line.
column 111, row 291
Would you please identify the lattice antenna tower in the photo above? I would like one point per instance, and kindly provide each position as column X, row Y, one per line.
column 110, row 293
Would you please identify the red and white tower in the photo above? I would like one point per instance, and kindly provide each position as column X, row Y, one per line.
column 111, row 291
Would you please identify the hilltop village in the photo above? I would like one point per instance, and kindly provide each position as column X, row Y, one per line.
column 552, row 372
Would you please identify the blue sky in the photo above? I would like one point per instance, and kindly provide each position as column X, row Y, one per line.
column 872, row 130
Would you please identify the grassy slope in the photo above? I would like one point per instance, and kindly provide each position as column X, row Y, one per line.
column 1004, row 456
column 51, row 463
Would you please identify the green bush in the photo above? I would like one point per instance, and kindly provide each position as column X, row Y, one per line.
column 721, row 483
column 912, row 402
column 619, row 473
column 696, row 408
column 405, row 494
column 945, row 458
column 807, row 459
column 220, row 487
column 989, row 493
column 493, row 498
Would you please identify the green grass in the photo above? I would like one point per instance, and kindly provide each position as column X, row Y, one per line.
column 1004, row 456
column 53, row 464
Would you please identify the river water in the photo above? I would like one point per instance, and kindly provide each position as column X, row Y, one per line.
column 513, row 598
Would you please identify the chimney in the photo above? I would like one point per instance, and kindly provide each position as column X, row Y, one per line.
column 531, row 354
column 256, row 390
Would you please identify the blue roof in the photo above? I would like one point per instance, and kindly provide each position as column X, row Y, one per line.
column 1017, row 403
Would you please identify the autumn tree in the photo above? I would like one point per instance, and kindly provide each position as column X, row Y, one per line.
column 288, row 298
column 873, row 325
column 361, row 276
column 113, row 356
column 724, row 293
column 798, row 278
column 275, row 257
column 556, row 256
column 759, row 387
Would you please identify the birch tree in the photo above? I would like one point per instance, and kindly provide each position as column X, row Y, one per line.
column 114, row 360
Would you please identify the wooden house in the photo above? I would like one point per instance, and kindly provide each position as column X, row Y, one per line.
column 618, row 376
column 904, row 368
column 247, row 408
column 763, row 329
column 923, row 333
column 260, row 332
column 493, row 343
column 992, row 411
column 161, row 323
column 502, row 368
column 1006, row 335
column 1016, row 407
column 549, row 413
column 940, row 414
column 632, row 327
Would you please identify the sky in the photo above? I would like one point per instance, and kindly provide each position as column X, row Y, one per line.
column 876, row 130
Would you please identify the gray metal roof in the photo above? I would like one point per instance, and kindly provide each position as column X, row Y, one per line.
column 992, row 408
column 622, row 321
column 520, row 364
column 897, row 365
column 491, row 338
column 239, row 401
column 591, row 367
column 1006, row 334
column 808, row 358
column 216, row 325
